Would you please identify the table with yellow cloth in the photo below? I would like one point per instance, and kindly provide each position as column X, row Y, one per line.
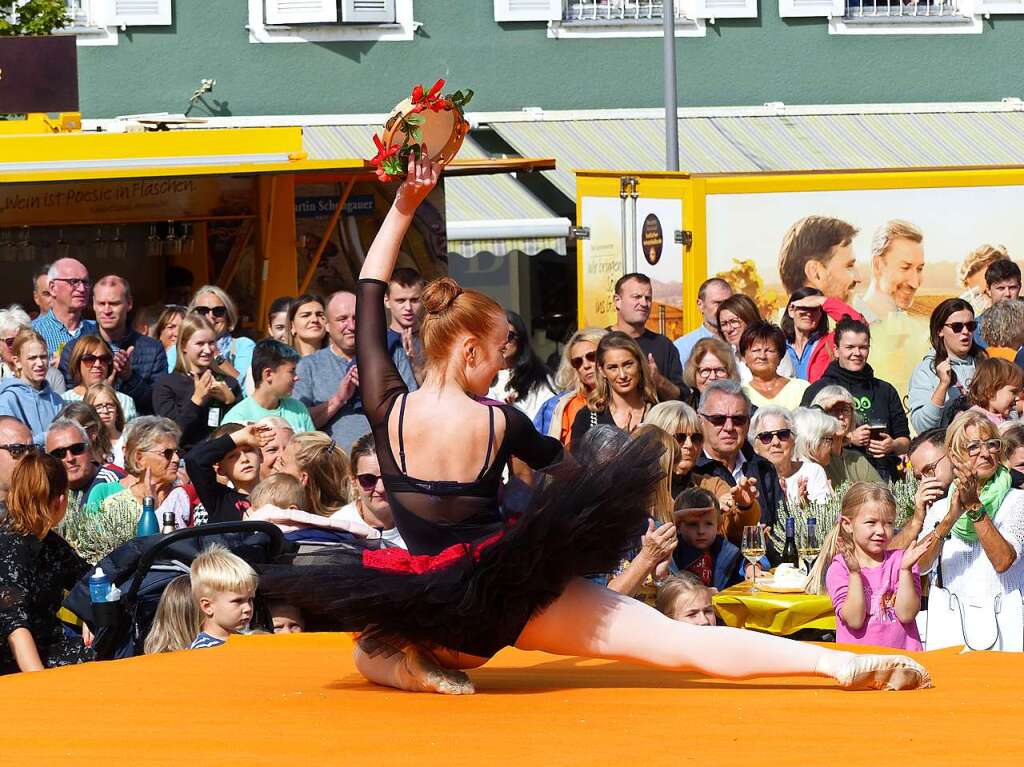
column 780, row 614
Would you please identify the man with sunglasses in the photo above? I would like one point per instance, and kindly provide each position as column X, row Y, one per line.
column 138, row 359
column 724, row 412
column 69, row 285
column 15, row 441
column 883, row 432
column 68, row 442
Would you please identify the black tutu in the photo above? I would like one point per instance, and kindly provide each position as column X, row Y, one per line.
column 476, row 598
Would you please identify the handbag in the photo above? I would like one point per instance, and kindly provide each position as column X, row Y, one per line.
column 976, row 622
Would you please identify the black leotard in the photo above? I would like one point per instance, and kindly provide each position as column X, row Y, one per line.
column 433, row 514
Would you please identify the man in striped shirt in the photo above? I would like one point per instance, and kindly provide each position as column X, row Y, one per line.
column 70, row 288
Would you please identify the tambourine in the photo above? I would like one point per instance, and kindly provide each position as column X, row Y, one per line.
column 426, row 118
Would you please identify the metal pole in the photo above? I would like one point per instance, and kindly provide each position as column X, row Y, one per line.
column 671, row 102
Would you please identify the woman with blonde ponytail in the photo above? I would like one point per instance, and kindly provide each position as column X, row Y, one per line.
column 474, row 580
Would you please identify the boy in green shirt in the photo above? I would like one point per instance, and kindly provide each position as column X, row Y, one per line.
column 273, row 371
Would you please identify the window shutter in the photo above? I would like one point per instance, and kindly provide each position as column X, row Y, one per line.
column 806, row 8
column 527, row 10
column 300, row 11
column 725, row 9
column 368, row 11
column 999, row 6
column 142, row 13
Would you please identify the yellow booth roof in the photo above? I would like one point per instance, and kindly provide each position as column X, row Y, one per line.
column 76, row 156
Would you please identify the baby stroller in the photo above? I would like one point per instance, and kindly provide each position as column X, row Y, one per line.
column 142, row 568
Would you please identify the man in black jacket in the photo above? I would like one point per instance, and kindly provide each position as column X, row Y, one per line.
column 883, row 432
column 725, row 419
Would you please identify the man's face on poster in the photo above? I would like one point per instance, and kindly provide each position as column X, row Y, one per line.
column 837, row 277
column 900, row 271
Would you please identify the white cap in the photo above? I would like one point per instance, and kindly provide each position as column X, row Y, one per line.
column 114, row 595
column 99, row 573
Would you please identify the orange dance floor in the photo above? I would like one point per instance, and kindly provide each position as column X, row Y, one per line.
column 297, row 700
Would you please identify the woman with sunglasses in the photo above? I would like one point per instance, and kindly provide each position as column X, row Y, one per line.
column 739, row 504
column 624, row 391
column 234, row 353
column 151, row 459
column 946, row 371
column 92, row 362
column 104, row 399
column 524, row 381
column 371, row 505
column 978, row 527
column 306, row 324
column 763, row 347
column 29, row 397
column 773, row 435
column 810, row 345
column 197, row 394
column 845, row 466
column 711, row 360
column 576, row 378
column 166, row 329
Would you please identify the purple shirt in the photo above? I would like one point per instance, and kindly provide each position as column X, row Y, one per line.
column 882, row 628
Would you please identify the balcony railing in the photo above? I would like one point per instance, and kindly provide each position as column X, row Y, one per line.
column 896, row 10
column 617, row 10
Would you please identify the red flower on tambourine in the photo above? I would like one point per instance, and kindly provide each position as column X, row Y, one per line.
column 391, row 159
column 387, row 162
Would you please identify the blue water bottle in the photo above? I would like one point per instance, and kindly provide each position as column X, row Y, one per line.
column 148, row 524
column 99, row 586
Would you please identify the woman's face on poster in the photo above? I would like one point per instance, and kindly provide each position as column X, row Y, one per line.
column 899, row 272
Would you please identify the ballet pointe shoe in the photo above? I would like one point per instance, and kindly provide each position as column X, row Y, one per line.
column 882, row 672
column 420, row 672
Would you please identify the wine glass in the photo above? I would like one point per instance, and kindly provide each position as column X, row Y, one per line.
column 809, row 547
column 753, row 550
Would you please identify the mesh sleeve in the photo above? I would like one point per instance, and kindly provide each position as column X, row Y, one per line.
column 379, row 380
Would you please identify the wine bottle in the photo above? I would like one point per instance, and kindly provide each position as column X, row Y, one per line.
column 789, row 553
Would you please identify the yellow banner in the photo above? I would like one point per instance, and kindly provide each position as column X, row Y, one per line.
column 137, row 200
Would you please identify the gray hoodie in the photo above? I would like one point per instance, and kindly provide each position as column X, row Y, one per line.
column 36, row 408
column 924, row 414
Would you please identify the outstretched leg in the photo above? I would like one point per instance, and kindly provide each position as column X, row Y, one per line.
column 591, row 621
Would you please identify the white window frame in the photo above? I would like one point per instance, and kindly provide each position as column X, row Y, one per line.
column 403, row 30
column 99, row 28
column 686, row 26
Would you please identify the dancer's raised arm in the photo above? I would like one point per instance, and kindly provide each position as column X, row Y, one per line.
column 421, row 178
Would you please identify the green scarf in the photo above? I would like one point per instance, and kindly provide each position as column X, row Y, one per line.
column 991, row 496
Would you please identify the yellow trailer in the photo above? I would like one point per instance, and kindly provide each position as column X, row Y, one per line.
column 752, row 230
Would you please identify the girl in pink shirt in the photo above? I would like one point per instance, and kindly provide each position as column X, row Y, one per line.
column 876, row 591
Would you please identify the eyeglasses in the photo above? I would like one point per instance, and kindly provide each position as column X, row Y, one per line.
column 92, row 359
column 766, row 437
column 367, row 481
column 695, row 437
column 719, row 421
column 18, row 449
column 105, row 407
column 807, row 309
column 706, row 373
column 577, row 362
column 958, row 327
column 929, row 469
column 74, row 282
column 75, row 449
column 9, row 342
column 168, row 452
column 735, row 322
column 219, row 312
column 974, row 448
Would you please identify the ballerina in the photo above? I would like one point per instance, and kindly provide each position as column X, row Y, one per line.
column 471, row 582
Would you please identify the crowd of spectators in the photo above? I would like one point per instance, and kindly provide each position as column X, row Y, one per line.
column 757, row 420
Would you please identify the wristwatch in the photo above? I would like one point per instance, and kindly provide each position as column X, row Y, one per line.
column 220, row 359
column 975, row 513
